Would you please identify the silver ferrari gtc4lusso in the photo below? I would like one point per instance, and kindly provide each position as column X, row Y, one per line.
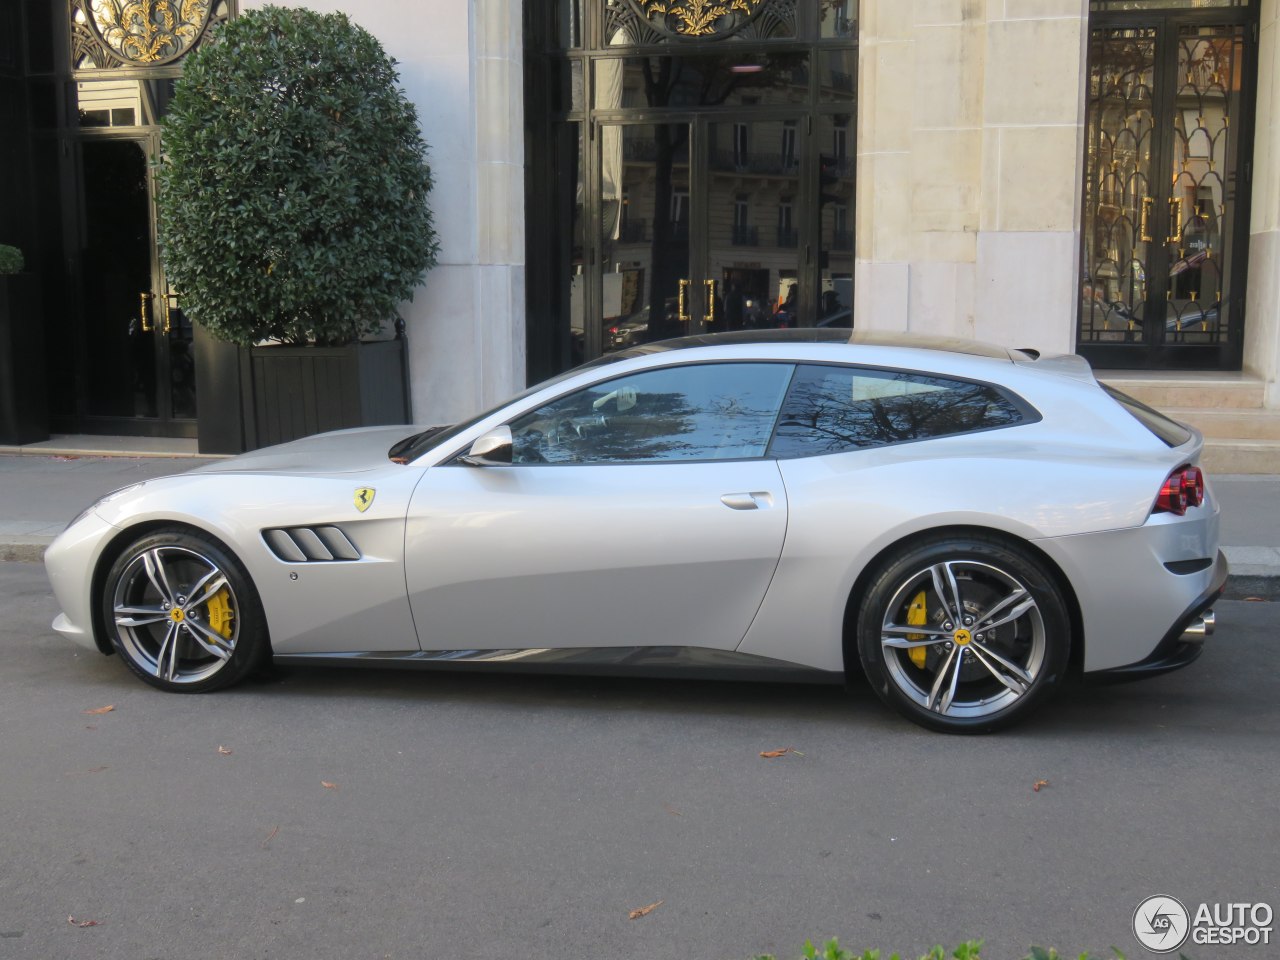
column 964, row 523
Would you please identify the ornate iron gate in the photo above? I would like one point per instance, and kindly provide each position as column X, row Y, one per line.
column 1166, row 184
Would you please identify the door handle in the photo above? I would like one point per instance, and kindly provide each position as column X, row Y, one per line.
column 170, row 301
column 711, row 301
column 144, row 311
column 1144, row 221
column 748, row 501
column 682, row 306
column 1175, row 214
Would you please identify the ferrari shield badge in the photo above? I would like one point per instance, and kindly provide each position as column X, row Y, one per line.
column 364, row 498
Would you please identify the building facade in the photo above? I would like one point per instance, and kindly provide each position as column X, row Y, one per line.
column 1100, row 176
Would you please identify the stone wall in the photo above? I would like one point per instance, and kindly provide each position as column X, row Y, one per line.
column 970, row 146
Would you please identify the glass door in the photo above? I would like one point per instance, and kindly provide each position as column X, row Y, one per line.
column 701, row 227
column 1164, row 230
column 138, row 369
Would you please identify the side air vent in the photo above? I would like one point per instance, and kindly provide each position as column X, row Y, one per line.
column 310, row 544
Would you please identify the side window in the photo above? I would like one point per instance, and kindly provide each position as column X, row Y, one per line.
column 830, row 409
column 712, row 411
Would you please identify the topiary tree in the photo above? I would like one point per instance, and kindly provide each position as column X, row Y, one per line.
column 293, row 191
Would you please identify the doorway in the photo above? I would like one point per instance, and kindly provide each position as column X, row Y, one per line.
column 1167, row 183
column 139, row 375
column 681, row 183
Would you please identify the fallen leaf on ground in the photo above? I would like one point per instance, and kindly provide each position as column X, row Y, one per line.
column 90, row 726
column 274, row 831
column 1255, row 600
column 644, row 911
column 770, row 754
column 224, row 751
column 99, row 710
column 670, row 809
column 1038, row 784
column 328, row 785
column 82, row 923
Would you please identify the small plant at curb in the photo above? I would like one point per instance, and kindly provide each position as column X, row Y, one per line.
column 969, row 950
column 293, row 190
column 10, row 260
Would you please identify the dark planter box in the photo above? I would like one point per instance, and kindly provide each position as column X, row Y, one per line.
column 292, row 392
column 24, row 403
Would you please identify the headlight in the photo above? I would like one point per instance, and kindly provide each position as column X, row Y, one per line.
column 101, row 500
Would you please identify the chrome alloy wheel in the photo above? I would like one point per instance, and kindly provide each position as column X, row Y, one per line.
column 963, row 639
column 176, row 614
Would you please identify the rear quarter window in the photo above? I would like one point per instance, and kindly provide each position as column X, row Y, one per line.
column 831, row 409
column 1171, row 432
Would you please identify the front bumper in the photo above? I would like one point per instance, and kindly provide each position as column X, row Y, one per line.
column 70, row 561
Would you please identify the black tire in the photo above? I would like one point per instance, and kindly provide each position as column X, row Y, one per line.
column 957, row 676
column 182, row 613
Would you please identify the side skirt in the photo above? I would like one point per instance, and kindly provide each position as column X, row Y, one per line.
column 664, row 662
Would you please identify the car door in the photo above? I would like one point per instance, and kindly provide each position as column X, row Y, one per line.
column 639, row 511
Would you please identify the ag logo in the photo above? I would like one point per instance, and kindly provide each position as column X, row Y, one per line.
column 1161, row 924
column 364, row 498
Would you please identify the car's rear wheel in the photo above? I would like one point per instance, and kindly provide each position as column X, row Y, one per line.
column 964, row 635
column 182, row 612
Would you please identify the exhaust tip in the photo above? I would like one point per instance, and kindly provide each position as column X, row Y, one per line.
column 1201, row 627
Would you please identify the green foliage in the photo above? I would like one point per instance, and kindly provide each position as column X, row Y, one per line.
column 10, row 260
column 969, row 950
column 293, row 190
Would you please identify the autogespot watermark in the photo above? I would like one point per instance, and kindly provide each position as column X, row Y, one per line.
column 1162, row 924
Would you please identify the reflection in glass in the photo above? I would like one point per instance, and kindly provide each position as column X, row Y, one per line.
column 752, row 242
column 721, row 411
column 1202, row 205
column 835, row 163
column 834, row 409
column 1119, row 189
column 644, row 233
column 838, row 18
column 700, row 81
column 123, row 103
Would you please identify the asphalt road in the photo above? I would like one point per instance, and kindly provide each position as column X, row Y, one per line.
column 499, row 816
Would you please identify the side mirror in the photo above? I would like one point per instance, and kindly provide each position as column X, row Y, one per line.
column 493, row 449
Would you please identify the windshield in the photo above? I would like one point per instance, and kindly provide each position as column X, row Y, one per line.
column 411, row 448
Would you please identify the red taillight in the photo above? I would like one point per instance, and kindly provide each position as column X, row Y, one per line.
column 1183, row 488
column 1193, row 478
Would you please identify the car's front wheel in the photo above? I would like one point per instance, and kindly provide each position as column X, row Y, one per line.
column 182, row 612
column 963, row 635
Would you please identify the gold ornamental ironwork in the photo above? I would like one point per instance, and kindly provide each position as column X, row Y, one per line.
column 698, row 19
column 149, row 32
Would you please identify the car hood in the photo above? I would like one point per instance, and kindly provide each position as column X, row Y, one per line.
column 342, row 451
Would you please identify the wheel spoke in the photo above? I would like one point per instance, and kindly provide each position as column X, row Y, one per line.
column 996, row 608
column 1019, row 674
column 940, row 699
column 156, row 574
column 208, row 638
column 906, row 638
column 139, row 616
column 167, row 658
column 219, row 581
column 1012, row 615
column 944, row 584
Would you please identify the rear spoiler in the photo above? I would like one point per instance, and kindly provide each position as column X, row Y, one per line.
column 1065, row 364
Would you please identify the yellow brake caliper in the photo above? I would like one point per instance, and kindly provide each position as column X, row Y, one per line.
column 917, row 616
column 220, row 614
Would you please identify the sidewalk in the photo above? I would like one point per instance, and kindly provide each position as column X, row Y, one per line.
column 39, row 495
